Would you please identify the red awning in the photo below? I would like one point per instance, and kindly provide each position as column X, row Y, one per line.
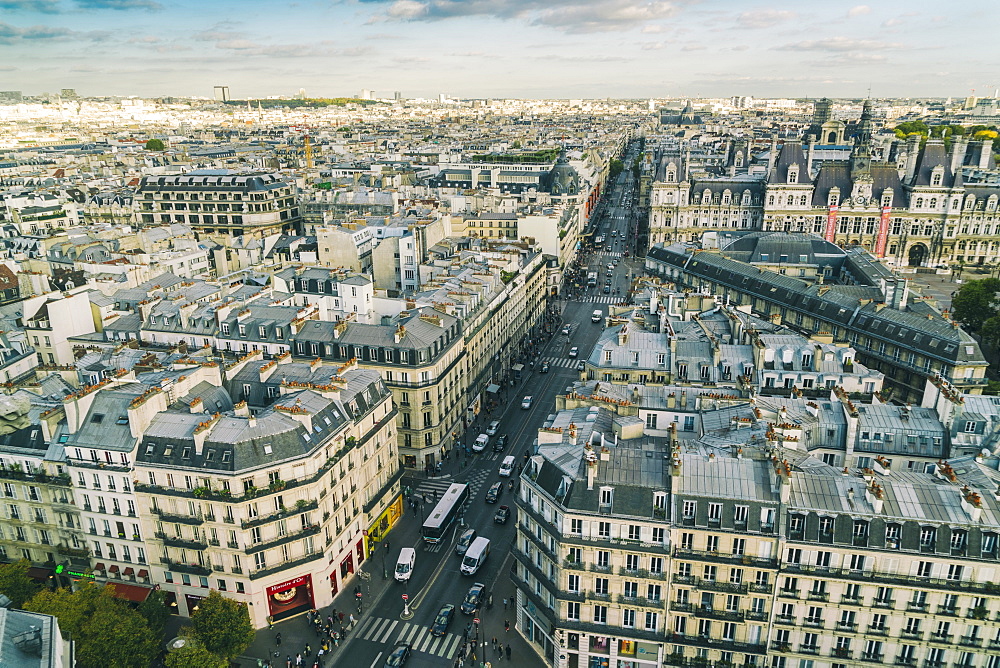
column 130, row 592
column 99, row 567
column 143, row 573
column 39, row 573
column 128, row 571
column 113, row 569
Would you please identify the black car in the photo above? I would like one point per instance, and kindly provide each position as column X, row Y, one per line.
column 500, row 443
column 494, row 492
column 400, row 653
column 503, row 514
column 443, row 619
column 474, row 598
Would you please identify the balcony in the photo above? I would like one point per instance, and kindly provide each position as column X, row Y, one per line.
column 288, row 512
column 573, row 565
column 905, row 661
column 712, row 643
column 641, row 601
column 818, row 596
column 784, row 619
column 756, row 616
column 788, row 593
column 970, row 641
column 178, row 519
column 761, row 588
column 915, row 634
column 878, row 631
column 809, row 649
column 720, row 557
column 841, row 653
column 598, row 596
column 193, row 569
column 812, row 622
column 598, row 568
column 286, row 565
column 913, row 606
column 945, row 638
column 724, row 615
column 883, row 603
column 980, row 612
column 310, row 530
column 872, row 658
column 178, row 541
column 679, row 606
column 713, row 585
column 780, row 646
column 948, row 610
column 847, row 627
column 850, row 600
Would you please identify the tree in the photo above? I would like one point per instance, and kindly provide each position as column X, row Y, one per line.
column 222, row 625
column 990, row 331
column 154, row 610
column 116, row 636
column 108, row 633
column 155, row 145
column 193, row 655
column 16, row 584
column 974, row 303
column 615, row 168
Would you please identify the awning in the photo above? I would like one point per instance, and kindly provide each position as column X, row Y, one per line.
column 113, row 569
column 129, row 571
column 99, row 567
column 143, row 573
column 130, row 592
column 39, row 573
column 492, row 388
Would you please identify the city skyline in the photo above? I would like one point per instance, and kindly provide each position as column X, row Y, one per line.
column 523, row 48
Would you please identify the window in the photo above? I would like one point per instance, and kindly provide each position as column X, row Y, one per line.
column 688, row 509
column 573, row 583
column 714, row 513
column 652, row 621
column 600, row 614
column 740, row 514
column 653, row 592
column 573, row 611
column 628, row 619
column 604, row 529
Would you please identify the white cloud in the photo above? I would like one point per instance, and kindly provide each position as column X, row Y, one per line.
column 859, row 10
column 764, row 18
column 840, row 45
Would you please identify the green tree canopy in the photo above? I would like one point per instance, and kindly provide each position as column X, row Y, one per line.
column 155, row 145
column 116, row 636
column 222, row 625
column 108, row 632
column 193, row 655
column 15, row 583
column 974, row 303
column 154, row 610
column 615, row 168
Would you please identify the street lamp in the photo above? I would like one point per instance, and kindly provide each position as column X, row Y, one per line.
column 385, row 573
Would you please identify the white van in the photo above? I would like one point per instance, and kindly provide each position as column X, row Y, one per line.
column 507, row 467
column 475, row 556
column 404, row 565
column 481, row 442
column 596, row 316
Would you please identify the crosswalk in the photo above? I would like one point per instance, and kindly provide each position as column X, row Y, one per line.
column 564, row 362
column 599, row 299
column 389, row 631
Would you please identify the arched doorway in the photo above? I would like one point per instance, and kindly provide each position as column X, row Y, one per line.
column 918, row 253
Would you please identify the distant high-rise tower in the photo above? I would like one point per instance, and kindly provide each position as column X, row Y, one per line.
column 442, row 98
column 397, row 96
column 822, row 111
column 222, row 93
column 366, row 94
column 68, row 93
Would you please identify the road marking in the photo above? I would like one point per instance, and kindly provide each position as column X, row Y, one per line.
column 452, row 646
column 427, row 640
column 369, row 623
column 373, row 631
column 391, row 626
column 377, row 657
column 410, row 633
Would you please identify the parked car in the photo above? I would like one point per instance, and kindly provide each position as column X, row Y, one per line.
column 443, row 619
column 494, row 492
column 474, row 598
column 493, row 427
column 481, row 441
column 400, row 653
column 503, row 514
column 575, row 350
column 526, row 402
column 500, row 443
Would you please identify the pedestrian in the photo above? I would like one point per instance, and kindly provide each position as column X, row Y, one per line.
column 508, row 652
column 495, row 643
column 277, row 640
column 352, row 620
column 308, row 650
column 298, row 659
column 288, row 661
column 340, row 617
column 505, row 604
column 506, row 626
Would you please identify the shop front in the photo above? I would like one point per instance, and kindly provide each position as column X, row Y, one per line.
column 192, row 603
column 290, row 598
column 384, row 523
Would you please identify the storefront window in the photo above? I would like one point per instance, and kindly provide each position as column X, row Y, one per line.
column 626, row 648
column 600, row 644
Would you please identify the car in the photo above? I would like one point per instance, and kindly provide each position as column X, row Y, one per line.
column 494, row 492
column 473, row 599
column 443, row 619
column 500, row 443
column 608, row 249
column 610, row 266
column 544, row 368
column 607, row 289
column 493, row 427
column 398, row 656
column 464, row 541
column 526, row 402
column 566, row 330
column 481, row 441
column 575, row 350
column 503, row 514
column 582, row 366
column 607, row 282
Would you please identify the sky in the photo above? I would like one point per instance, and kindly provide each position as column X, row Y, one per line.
column 501, row 48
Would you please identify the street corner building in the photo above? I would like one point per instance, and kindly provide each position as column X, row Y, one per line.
column 735, row 546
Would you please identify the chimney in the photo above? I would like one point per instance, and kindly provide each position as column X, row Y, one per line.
column 912, row 153
column 772, row 156
column 196, row 405
column 241, row 409
column 251, row 421
column 810, row 153
column 985, row 153
column 958, row 146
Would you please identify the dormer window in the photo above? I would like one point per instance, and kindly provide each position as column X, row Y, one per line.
column 793, row 173
column 937, row 175
column 225, row 328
